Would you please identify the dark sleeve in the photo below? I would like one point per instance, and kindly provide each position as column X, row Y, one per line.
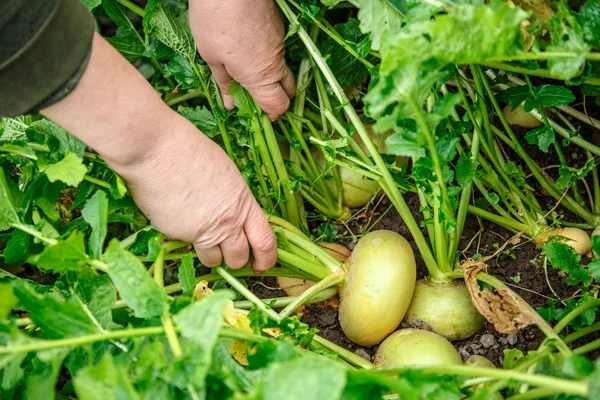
column 44, row 48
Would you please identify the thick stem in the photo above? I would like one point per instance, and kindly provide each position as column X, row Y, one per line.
column 389, row 187
column 280, row 168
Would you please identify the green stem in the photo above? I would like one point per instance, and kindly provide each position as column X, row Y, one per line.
column 503, row 221
column 582, row 332
column 389, row 187
column 547, row 55
column 587, row 348
column 185, row 96
column 133, row 7
column 216, row 111
column 288, row 258
column 244, row 291
column 533, row 394
column 557, row 384
column 349, row 356
column 317, row 251
column 563, row 323
column 97, row 181
column 279, row 302
column 280, row 168
column 40, row 345
column 331, row 280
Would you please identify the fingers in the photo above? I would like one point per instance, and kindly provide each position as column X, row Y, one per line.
column 288, row 83
column 236, row 250
column 262, row 241
column 209, row 256
column 224, row 81
column 272, row 99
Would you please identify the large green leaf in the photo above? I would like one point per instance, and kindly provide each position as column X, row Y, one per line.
column 41, row 380
column 66, row 255
column 56, row 318
column 104, row 381
column 172, row 31
column 378, row 18
column 305, row 378
column 133, row 283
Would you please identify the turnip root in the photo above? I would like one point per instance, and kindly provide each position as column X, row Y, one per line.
column 577, row 238
column 520, row 117
column 445, row 309
column 411, row 347
column 378, row 288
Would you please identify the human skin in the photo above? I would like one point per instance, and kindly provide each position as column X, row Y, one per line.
column 184, row 182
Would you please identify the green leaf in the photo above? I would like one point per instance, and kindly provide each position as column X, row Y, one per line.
column 305, row 378
column 378, row 18
column 56, row 318
column 406, row 143
column 348, row 70
column 589, row 18
column 512, row 357
column 66, row 255
column 199, row 324
column 96, row 292
column 58, row 139
column 182, row 70
column 548, row 95
column 543, row 137
column 91, row 4
column 135, row 286
column 95, row 213
column 187, row 273
column 566, row 36
column 563, row 257
column 104, row 381
column 514, row 96
column 569, row 175
column 8, row 211
column 128, row 43
column 172, row 31
column 7, row 299
column 41, row 380
column 202, row 118
column 69, row 170
column 590, row 90
column 465, row 169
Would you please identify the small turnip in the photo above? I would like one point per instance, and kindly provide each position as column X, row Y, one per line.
column 577, row 238
column 412, row 347
column 444, row 308
column 520, row 117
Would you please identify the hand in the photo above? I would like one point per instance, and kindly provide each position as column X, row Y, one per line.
column 192, row 191
column 184, row 182
column 243, row 40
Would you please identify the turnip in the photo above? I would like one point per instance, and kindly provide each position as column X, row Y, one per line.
column 577, row 238
column 412, row 347
column 479, row 361
column 378, row 288
column 376, row 282
column 444, row 308
column 520, row 117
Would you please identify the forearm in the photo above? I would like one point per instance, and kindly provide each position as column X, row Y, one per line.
column 113, row 109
